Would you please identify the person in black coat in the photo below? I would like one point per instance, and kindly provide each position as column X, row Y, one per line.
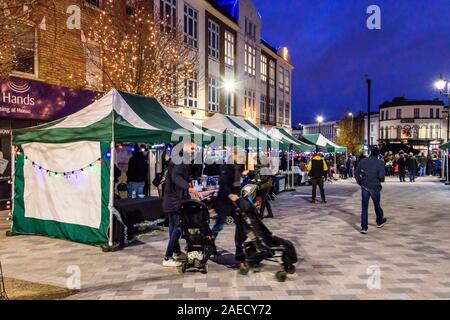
column 230, row 183
column 177, row 188
column 401, row 162
column 137, row 173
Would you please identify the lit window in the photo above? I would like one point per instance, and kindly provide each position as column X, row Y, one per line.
column 229, row 103
column 229, row 49
column 281, row 111
column 287, row 113
column 213, row 94
column 263, row 68
column 190, row 26
column 250, row 60
column 281, row 79
column 272, row 110
column 213, row 39
column 191, row 92
column 287, row 81
column 250, row 103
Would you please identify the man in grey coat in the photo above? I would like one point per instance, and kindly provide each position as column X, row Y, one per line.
column 369, row 174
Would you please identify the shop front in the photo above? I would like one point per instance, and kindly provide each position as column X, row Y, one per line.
column 25, row 103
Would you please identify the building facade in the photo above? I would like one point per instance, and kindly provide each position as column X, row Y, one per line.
column 329, row 130
column 423, row 124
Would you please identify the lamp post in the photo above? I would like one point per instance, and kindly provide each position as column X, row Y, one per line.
column 320, row 121
column 443, row 86
column 369, row 102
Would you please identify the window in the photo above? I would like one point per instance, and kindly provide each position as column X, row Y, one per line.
column 382, row 133
column 93, row 66
column 371, row 141
column 229, row 49
column 250, row 60
column 281, row 111
column 416, row 113
column 281, row 79
column 229, row 103
column 438, row 114
column 272, row 110
column 399, row 132
column 415, row 132
column 387, row 114
column 272, row 73
column 399, row 113
column 263, row 106
column 213, row 94
column 250, row 29
column 168, row 12
column 213, row 39
column 371, row 128
column 287, row 81
column 250, row 103
column 191, row 92
column 94, row 3
column 190, row 26
column 287, row 113
column 24, row 53
column 263, row 68
column 382, row 115
column 431, row 113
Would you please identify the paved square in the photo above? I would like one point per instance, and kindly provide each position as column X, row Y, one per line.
column 411, row 254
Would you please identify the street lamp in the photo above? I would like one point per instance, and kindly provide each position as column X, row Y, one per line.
column 320, row 121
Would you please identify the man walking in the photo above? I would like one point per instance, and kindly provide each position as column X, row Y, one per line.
column 401, row 162
column 318, row 171
column 369, row 175
column 423, row 165
column 412, row 167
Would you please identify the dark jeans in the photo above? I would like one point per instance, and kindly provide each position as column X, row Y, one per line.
column 265, row 203
column 174, row 234
column 239, row 236
column 402, row 176
column 412, row 175
column 317, row 182
column 376, row 198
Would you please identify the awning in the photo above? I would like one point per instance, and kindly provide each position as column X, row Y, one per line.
column 446, row 146
column 287, row 138
column 322, row 142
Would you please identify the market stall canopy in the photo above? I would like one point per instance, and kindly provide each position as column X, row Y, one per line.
column 117, row 116
column 446, row 146
column 322, row 142
column 282, row 135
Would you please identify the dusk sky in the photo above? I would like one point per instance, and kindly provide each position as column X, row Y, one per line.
column 332, row 50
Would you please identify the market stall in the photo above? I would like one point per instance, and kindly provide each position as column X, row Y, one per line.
column 64, row 180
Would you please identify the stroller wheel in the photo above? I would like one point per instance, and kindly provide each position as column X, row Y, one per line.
column 244, row 270
column 281, row 276
column 290, row 269
column 184, row 267
column 229, row 220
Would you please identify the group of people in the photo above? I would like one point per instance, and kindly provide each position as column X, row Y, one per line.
column 402, row 164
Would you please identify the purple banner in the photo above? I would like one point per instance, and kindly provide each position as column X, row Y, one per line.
column 34, row 100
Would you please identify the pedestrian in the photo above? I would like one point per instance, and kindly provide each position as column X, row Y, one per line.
column 423, row 165
column 176, row 189
column 137, row 173
column 229, row 190
column 401, row 162
column 369, row 174
column 411, row 163
column 318, row 170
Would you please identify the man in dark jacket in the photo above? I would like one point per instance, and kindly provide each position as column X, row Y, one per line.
column 177, row 189
column 230, row 185
column 369, row 174
column 412, row 167
column 401, row 162
column 137, row 173
column 318, row 171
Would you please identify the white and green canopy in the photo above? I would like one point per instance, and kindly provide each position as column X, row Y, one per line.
column 287, row 138
column 63, row 181
column 446, row 146
column 320, row 141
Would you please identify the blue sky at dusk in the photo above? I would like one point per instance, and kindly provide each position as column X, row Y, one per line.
column 332, row 50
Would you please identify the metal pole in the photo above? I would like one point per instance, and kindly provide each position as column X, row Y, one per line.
column 12, row 178
column 111, row 193
column 369, row 101
column 448, row 175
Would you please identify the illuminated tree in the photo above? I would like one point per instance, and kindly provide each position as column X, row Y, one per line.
column 141, row 52
column 351, row 133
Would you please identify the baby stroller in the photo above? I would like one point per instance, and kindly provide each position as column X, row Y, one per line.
column 198, row 235
column 260, row 243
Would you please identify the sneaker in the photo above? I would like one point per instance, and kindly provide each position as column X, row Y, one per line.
column 179, row 256
column 170, row 262
column 363, row 231
column 381, row 225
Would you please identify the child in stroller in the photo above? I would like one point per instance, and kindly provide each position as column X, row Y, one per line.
column 198, row 235
column 260, row 243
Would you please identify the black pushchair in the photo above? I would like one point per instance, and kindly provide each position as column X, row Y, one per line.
column 198, row 235
column 260, row 243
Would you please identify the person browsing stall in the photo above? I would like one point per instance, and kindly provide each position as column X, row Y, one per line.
column 137, row 173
